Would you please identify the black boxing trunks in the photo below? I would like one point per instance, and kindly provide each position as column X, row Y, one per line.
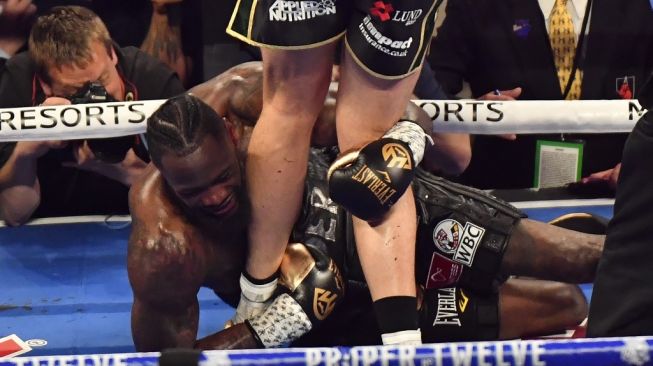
column 386, row 38
column 450, row 314
column 453, row 314
column 321, row 222
column 475, row 313
column 462, row 234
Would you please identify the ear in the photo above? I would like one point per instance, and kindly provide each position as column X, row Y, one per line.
column 234, row 134
column 113, row 56
column 47, row 90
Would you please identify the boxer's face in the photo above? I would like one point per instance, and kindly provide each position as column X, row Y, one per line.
column 68, row 79
column 208, row 180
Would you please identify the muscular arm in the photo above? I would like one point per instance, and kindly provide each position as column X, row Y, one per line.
column 534, row 307
column 236, row 95
column 165, row 280
column 163, row 39
column 20, row 193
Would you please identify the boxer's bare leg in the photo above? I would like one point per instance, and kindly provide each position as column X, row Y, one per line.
column 534, row 307
column 295, row 84
column 540, row 250
column 367, row 107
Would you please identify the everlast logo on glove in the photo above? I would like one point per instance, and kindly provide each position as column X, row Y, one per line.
column 375, row 184
column 368, row 182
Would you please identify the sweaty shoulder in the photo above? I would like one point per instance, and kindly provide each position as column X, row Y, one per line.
column 160, row 244
column 144, row 192
column 151, row 77
column 153, row 213
column 236, row 93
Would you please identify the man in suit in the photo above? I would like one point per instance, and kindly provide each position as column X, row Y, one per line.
column 622, row 299
column 509, row 46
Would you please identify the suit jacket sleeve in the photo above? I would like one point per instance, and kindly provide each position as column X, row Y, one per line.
column 451, row 55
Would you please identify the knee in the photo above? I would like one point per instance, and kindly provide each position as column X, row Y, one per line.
column 572, row 300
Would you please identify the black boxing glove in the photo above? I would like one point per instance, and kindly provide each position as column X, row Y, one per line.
column 311, row 286
column 369, row 181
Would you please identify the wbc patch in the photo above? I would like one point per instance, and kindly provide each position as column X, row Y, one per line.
column 11, row 346
column 459, row 241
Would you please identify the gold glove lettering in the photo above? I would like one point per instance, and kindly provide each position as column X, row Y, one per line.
column 376, row 185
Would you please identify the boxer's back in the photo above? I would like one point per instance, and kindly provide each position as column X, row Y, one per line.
column 237, row 95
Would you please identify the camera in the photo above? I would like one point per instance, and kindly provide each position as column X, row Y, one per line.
column 109, row 150
column 91, row 92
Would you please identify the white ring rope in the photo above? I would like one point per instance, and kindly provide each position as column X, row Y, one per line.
column 78, row 121
column 533, row 116
column 98, row 120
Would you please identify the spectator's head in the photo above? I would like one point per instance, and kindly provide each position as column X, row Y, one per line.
column 16, row 18
column 71, row 46
column 193, row 149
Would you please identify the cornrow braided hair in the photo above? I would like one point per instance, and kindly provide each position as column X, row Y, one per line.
column 180, row 125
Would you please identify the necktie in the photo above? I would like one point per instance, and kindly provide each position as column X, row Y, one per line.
column 563, row 44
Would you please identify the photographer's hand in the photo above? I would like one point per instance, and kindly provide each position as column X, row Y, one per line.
column 124, row 172
column 55, row 101
column 33, row 150
column 84, row 158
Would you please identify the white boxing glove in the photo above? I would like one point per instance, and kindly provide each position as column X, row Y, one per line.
column 253, row 299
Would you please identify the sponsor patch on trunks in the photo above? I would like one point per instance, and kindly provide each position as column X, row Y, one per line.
column 451, row 237
column 387, row 45
column 447, row 311
column 443, row 272
column 293, row 11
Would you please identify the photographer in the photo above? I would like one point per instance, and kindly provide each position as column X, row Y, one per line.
column 72, row 57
